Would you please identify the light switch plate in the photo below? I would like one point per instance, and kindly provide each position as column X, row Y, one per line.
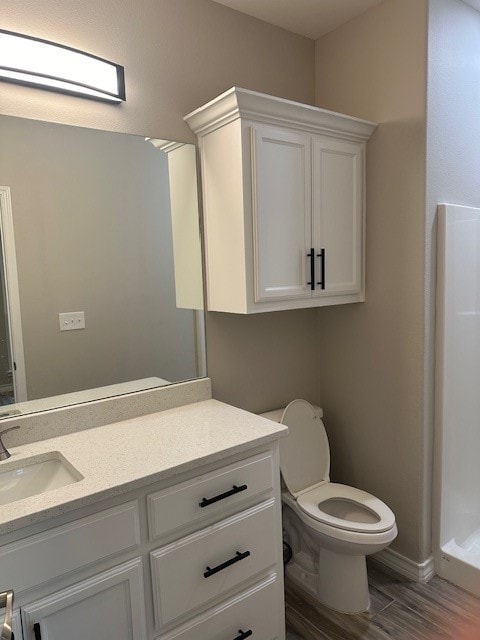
column 72, row 320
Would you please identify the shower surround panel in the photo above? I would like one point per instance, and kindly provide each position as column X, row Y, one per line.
column 457, row 438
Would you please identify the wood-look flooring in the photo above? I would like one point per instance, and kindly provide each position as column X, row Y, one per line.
column 400, row 610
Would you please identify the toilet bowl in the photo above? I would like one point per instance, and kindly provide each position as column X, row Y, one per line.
column 330, row 527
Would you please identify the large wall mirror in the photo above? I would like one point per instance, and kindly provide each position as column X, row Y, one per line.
column 101, row 277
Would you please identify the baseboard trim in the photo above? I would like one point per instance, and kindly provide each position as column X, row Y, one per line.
column 416, row 571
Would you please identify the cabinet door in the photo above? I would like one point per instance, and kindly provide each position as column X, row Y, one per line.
column 108, row 606
column 338, row 215
column 282, row 212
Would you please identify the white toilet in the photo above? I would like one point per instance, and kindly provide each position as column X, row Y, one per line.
column 330, row 527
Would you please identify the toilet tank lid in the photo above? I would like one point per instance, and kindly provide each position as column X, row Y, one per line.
column 304, row 453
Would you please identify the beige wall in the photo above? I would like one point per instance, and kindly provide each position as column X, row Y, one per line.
column 177, row 55
column 265, row 360
column 371, row 356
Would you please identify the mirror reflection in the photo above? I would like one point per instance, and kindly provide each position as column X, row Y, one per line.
column 101, row 265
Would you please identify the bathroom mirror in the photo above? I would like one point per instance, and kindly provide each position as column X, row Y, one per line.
column 101, row 265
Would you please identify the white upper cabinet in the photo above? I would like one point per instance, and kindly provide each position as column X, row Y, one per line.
column 284, row 203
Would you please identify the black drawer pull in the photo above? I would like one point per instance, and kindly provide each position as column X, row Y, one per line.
column 311, row 255
column 36, row 631
column 321, row 255
column 206, row 501
column 238, row 556
column 244, row 634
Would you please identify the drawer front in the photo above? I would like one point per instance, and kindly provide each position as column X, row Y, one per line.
column 207, row 565
column 208, row 495
column 51, row 554
column 258, row 610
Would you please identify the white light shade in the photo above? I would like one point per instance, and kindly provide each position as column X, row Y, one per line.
column 45, row 64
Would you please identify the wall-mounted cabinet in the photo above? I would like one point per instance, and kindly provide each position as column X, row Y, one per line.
column 284, row 203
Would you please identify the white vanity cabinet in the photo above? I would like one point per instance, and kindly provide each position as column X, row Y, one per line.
column 284, row 203
column 195, row 556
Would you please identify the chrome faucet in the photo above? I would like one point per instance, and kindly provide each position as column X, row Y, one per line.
column 4, row 453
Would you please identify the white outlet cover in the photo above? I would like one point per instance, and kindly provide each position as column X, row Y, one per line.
column 72, row 320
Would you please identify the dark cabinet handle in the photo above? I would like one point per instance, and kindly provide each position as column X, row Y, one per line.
column 321, row 255
column 36, row 631
column 244, row 634
column 238, row 556
column 206, row 501
column 311, row 255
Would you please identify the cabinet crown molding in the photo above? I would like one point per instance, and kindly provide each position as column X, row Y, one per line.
column 260, row 107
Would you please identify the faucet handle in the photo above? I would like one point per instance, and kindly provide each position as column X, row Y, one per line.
column 4, row 453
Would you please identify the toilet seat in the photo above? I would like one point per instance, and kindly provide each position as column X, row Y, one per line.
column 304, row 453
column 363, row 512
column 305, row 467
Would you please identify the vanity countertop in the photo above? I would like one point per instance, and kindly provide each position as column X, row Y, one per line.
column 123, row 456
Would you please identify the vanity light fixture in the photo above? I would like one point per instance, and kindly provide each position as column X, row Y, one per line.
column 39, row 63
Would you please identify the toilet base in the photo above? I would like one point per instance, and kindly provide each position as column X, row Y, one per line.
column 337, row 580
column 328, row 586
column 307, row 580
column 337, row 570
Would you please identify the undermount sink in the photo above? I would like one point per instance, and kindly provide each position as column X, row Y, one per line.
column 32, row 476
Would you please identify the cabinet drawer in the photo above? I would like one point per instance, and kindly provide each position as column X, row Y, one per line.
column 42, row 557
column 245, row 612
column 208, row 495
column 200, row 568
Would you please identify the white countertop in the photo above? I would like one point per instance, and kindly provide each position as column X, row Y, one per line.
column 117, row 458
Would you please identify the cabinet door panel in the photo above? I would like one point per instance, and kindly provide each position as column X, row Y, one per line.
column 338, row 204
column 281, row 175
column 107, row 606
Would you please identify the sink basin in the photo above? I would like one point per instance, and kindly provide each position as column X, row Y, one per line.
column 32, row 476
